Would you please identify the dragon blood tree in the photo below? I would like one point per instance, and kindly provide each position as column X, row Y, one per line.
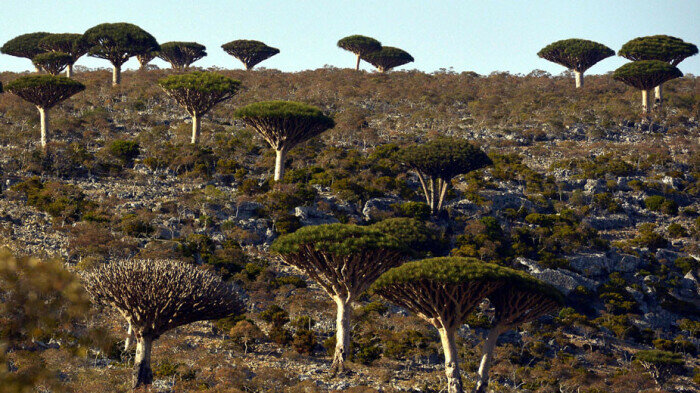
column 661, row 365
column 521, row 299
column 145, row 58
column 52, row 62
column 249, row 52
column 645, row 75
column 283, row 125
column 44, row 91
column 72, row 44
column 155, row 296
column 420, row 240
column 344, row 260
column 198, row 93
column 118, row 42
column 25, row 45
column 359, row 45
column 387, row 58
column 658, row 47
column 442, row 291
column 181, row 55
column 437, row 162
column 576, row 54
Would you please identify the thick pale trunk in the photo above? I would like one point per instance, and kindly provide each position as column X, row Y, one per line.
column 44, row 120
column 37, row 68
column 279, row 164
column 69, row 71
column 342, row 335
column 482, row 381
column 443, row 191
column 579, row 79
column 196, row 125
column 645, row 102
column 143, row 375
column 129, row 337
column 449, row 347
column 658, row 95
column 116, row 75
column 357, row 66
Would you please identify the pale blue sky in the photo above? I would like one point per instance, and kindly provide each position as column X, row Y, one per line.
column 481, row 36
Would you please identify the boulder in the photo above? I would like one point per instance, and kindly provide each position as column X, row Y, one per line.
column 376, row 207
column 309, row 215
column 565, row 281
column 594, row 186
column 248, row 210
column 613, row 221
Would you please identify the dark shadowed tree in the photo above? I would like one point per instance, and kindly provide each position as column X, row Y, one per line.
column 387, row 58
column 284, row 124
column 658, row 47
column 443, row 292
column 438, row 161
column 420, row 240
column 521, row 299
column 52, row 62
column 645, row 75
column 249, row 52
column 181, row 55
column 344, row 260
column 25, row 45
column 198, row 93
column 576, row 54
column 155, row 296
column 44, row 91
column 118, row 42
column 145, row 58
column 72, row 44
column 661, row 365
column 360, row 45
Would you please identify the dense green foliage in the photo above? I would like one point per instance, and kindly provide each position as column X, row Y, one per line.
column 52, row 62
column 249, row 52
column 658, row 47
column 387, row 58
column 285, row 111
column 25, row 45
column 416, row 236
column 72, row 44
column 338, row 239
column 444, row 158
column 359, row 44
column 118, row 42
column 575, row 54
column 199, row 91
column 646, row 74
column 44, row 90
column 181, row 54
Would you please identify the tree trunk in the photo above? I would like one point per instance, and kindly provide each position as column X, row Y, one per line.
column 342, row 335
column 116, row 75
column 44, row 120
column 454, row 380
column 645, row 102
column 196, row 125
column 482, row 381
column 37, row 68
column 443, row 191
column 579, row 79
column 658, row 95
column 129, row 337
column 357, row 66
column 143, row 375
column 279, row 164
column 69, row 71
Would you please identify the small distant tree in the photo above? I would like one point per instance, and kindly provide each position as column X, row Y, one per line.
column 387, row 58
column 283, row 125
column 645, row 75
column 181, row 55
column 249, row 52
column 360, row 45
column 25, row 45
column 159, row 295
column 437, row 162
column 344, row 260
column 52, row 62
column 443, row 292
column 44, row 91
column 576, row 54
column 658, row 47
column 521, row 299
column 118, row 42
column 198, row 93
column 661, row 365
column 72, row 44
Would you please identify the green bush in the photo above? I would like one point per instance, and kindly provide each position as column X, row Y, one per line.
column 287, row 223
column 676, row 230
column 418, row 210
column 304, row 341
column 686, row 264
column 125, row 151
column 660, row 204
column 62, row 201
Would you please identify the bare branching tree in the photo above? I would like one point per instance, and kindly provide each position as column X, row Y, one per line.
column 156, row 296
